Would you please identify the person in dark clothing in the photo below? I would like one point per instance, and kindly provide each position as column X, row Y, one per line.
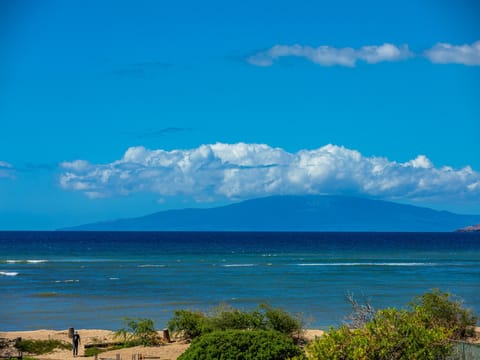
column 75, row 342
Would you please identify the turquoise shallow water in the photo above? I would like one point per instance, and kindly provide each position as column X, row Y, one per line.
column 93, row 280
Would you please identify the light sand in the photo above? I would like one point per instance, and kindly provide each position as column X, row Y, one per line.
column 169, row 351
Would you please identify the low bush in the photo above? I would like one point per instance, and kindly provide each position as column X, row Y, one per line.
column 241, row 344
column 40, row 347
column 279, row 320
column 228, row 318
column 195, row 323
column 92, row 351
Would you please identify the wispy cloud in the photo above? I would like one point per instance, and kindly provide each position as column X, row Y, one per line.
column 331, row 56
column 6, row 170
column 240, row 171
column 443, row 53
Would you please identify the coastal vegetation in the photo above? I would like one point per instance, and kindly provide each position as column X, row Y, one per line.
column 40, row 347
column 241, row 344
column 193, row 324
column 138, row 332
column 424, row 330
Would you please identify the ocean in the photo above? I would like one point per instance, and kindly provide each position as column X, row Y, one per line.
column 58, row 280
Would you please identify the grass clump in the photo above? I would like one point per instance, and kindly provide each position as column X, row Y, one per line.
column 240, row 344
column 92, row 351
column 138, row 332
column 40, row 347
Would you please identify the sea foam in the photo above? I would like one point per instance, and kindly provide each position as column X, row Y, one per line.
column 8, row 273
column 369, row 264
column 27, row 261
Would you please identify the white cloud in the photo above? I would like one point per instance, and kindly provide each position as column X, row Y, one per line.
column 443, row 53
column 385, row 52
column 6, row 170
column 330, row 56
column 239, row 171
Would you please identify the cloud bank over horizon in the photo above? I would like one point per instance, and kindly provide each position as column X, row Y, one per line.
column 441, row 53
column 241, row 171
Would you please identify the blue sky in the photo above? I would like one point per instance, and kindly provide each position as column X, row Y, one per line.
column 119, row 108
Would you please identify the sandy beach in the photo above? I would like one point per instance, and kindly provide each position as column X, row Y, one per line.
column 170, row 351
column 90, row 336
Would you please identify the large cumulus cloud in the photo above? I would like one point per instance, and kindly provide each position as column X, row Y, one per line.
column 240, row 171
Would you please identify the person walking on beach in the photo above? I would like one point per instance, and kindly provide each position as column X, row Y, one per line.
column 75, row 342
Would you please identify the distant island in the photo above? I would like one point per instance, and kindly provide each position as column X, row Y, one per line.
column 473, row 228
column 295, row 213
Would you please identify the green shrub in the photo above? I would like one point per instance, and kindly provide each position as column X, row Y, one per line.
column 40, row 347
column 279, row 320
column 241, row 344
column 402, row 334
column 228, row 318
column 339, row 344
column 191, row 323
column 444, row 310
column 391, row 335
column 138, row 332
column 194, row 323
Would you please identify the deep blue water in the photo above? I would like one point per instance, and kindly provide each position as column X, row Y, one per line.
column 95, row 279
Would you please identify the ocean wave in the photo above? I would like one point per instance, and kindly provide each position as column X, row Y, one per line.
column 8, row 273
column 114, row 278
column 239, row 265
column 369, row 264
column 67, row 281
column 152, row 265
column 27, row 261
